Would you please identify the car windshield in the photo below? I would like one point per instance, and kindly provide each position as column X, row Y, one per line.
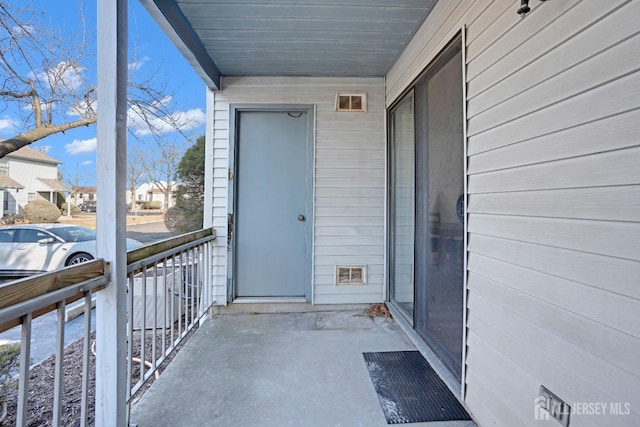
column 74, row 234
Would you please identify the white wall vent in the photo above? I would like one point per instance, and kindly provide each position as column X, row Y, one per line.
column 351, row 274
column 356, row 102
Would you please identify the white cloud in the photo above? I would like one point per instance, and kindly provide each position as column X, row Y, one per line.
column 23, row 29
column 190, row 119
column 136, row 65
column 7, row 124
column 183, row 120
column 81, row 146
column 67, row 74
column 87, row 163
column 45, row 106
column 136, row 117
column 83, row 110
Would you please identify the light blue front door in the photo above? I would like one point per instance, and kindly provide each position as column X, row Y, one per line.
column 273, row 212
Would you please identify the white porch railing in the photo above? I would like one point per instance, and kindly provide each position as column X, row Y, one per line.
column 167, row 298
column 168, row 294
column 23, row 300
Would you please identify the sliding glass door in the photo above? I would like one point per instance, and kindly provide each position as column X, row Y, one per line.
column 439, row 254
column 426, row 230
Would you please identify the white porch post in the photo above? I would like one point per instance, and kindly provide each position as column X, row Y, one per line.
column 208, row 162
column 111, row 376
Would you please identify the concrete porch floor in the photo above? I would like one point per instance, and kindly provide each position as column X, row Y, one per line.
column 275, row 369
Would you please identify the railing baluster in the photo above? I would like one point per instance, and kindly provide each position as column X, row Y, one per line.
column 165, row 295
column 86, row 355
column 25, row 358
column 194, row 285
column 176, row 279
column 58, row 388
column 143, row 326
column 209, row 273
column 187, row 290
column 204, row 296
column 130, row 322
column 199, row 268
column 199, row 281
column 183, row 279
column 155, row 316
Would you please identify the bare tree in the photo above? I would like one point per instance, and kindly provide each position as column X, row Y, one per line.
column 135, row 173
column 160, row 166
column 74, row 181
column 47, row 78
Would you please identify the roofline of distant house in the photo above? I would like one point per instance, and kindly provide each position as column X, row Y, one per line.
column 41, row 158
column 51, row 162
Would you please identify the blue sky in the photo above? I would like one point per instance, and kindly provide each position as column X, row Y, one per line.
column 149, row 49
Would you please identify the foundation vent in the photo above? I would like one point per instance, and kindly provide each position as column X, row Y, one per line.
column 355, row 102
column 351, row 274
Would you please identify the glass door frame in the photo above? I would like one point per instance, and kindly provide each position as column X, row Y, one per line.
column 407, row 96
column 456, row 383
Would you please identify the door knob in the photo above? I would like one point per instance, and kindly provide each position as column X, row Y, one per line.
column 300, row 217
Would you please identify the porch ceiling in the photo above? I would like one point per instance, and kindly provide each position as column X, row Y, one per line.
column 337, row 38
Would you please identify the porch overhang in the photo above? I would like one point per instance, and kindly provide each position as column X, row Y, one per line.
column 6, row 182
column 53, row 185
column 322, row 38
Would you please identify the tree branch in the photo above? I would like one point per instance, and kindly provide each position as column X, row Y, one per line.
column 22, row 140
column 17, row 95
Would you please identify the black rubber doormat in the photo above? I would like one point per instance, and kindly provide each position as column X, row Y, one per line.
column 409, row 390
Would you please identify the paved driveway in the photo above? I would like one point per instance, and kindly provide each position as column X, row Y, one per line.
column 149, row 232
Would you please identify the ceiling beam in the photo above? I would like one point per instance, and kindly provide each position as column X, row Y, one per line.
column 171, row 19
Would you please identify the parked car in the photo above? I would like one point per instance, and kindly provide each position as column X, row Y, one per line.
column 28, row 249
column 87, row 206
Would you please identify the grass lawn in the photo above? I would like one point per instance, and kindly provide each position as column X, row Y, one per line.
column 89, row 220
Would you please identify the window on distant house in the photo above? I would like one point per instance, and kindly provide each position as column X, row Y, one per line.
column 31, row 197
column 5, row 205
column 4, row 167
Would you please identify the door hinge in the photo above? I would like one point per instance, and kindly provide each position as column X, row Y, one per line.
column 230, row 174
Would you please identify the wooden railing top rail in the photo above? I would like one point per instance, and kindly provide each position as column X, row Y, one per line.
column 168, row 244
column 23, row 290
column 30, row 287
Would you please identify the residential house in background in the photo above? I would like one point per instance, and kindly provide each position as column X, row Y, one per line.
column 147, row 192
column 84, row 194
column 27, row 175
column 151, row 192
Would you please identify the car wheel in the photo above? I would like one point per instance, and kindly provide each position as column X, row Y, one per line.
column 78, row 258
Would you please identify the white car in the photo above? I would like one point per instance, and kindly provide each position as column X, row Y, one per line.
column 28, row 249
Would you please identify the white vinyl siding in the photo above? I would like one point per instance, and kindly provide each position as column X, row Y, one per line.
column 554, row 201
column 349, row 173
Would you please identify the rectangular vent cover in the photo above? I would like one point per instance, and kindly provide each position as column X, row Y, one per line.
column 350, row 275
column 356, row 102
